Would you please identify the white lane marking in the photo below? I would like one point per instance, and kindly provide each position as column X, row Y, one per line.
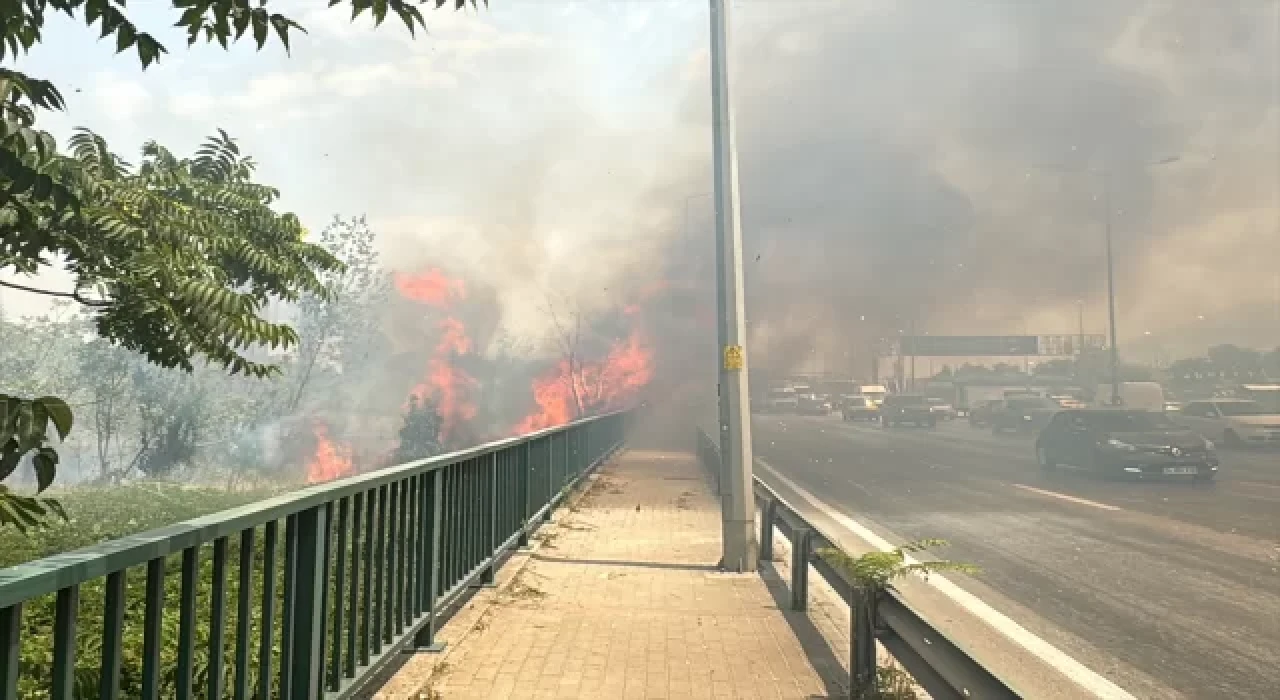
column 1079, row 673
column 1065, row 497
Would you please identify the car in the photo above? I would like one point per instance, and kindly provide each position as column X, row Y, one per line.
column 779, row 400
column 1023, row 414
column 942, row 409
column 980, row 413
column 1125, row 443
column 1235, row 422
column 898, row 409
column 812, row 405
column 855, row 408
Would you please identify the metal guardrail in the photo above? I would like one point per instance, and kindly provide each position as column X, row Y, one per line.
column 936, row 662
column 373, row 564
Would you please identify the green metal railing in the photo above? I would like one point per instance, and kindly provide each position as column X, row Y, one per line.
column 372, row 565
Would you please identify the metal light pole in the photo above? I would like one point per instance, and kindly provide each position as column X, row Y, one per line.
column 1080, row 346
column 737, row 504
column 1111, row 294
column 1111, row 290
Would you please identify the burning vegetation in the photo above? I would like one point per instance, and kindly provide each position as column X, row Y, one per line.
column 597, row 371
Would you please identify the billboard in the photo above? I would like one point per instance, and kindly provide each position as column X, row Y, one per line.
column 997, row 345
column 970, row 345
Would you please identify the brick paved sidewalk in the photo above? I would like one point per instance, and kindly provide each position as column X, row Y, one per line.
column 620, row 599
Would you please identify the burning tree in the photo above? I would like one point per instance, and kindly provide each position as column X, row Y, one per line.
column 420, row 435
column 577, row 387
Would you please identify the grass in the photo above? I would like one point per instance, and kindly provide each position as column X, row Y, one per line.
column 99, row 514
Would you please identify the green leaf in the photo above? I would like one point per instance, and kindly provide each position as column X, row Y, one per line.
column 43, row 187
column 125, row 37
column 259, row 21
column 59, row 414
column 45, row 463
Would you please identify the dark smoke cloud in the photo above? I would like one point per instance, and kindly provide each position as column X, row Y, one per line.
column 898, row 165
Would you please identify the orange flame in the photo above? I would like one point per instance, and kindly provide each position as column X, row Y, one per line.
column 331, row 460
column 446, row 384
column 432, row 287
column 569, row 392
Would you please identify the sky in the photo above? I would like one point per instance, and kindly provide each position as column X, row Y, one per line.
column 904, row 163
column 467, row 146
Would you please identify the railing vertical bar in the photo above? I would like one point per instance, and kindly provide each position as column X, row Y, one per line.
column 490, row 525
column 10, row 648
column 366, row 579
column 244, row 601
column 290, row 613
column 402, row 545
column 475, row 509
column 449, row 543
column 425, row 638
column 339, row 598
column 380, row 566
column 112, row 637
column 307, row 657
column 393, row 542
column 218, row 619
column 64, row 643
column 187, row 623
column 266, row 642
column 353, row 602
column 326, row 575
column 420, row 545
column 153, row 629
column 411, row 552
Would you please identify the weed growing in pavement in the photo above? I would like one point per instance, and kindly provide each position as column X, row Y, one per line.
column 874, row 572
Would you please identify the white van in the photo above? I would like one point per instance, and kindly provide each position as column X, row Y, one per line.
column 1139, row 396
column 875, row 392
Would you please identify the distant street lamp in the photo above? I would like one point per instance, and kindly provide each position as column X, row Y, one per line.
column 1106, row 174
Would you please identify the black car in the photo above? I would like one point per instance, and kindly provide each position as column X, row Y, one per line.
column 907, row 408
column 812, row 405
column 980, row 413
column 1120, row 442
column 1023, row 414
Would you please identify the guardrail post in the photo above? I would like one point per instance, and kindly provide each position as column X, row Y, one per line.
column 308, row 612
column 425, row 639
column 800, row 545
column 767, row 513
column 862, row 654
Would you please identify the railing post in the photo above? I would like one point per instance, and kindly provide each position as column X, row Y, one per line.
column 862, row 654
column 10, row 645
column 425, row 639
column 551, row 476
column 306, row 660
column 767, row 513
column 800, row 568
column 525, row 474
column 491, row 525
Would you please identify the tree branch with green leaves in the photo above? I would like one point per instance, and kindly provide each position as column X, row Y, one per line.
column 175, row 258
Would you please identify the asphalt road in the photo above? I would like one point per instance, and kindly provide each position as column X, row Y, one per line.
column 1169, row 590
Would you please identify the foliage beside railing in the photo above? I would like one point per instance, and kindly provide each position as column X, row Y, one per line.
column 318, row 588
column 99, row 514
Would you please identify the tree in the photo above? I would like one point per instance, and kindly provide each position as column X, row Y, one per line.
column 184, row 255
column 339, row 329
column 420, row 434
column 176, row 258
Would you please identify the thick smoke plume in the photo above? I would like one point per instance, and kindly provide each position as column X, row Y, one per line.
column 927, row 165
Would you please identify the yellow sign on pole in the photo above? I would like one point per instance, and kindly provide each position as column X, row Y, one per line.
column 733, row 358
